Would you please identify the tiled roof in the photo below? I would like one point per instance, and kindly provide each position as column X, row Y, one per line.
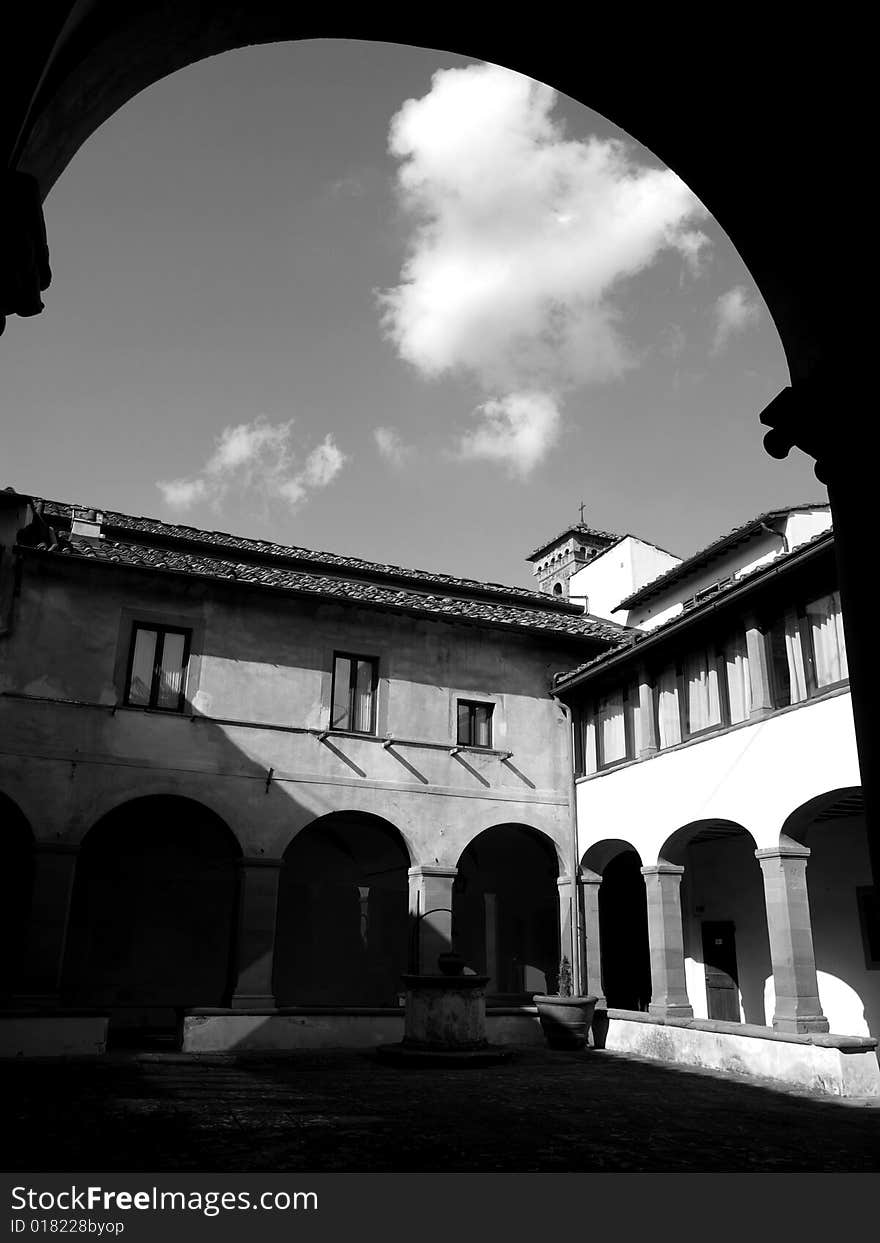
column 154, row 532
column 719, row 545
column 492, row 613
column 635, row 637
column 577, row 528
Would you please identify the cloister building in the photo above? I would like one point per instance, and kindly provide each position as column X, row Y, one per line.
column 242, row 776
column 245, row 786
column 725, row 874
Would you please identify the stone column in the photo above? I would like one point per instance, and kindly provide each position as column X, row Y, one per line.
column 590, row 882
column 791, row 939
column 669, row 997
column 430, row 915
column 46, row 937
column 760, row 679
column 253, row 956
column 563, row 887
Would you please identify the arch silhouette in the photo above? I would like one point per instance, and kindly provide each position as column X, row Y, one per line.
column 343, row 913
column 845, row 799
column 713, row 829
column 722, row 147
column 153, row 912
column 600, row 854
column 505, row 908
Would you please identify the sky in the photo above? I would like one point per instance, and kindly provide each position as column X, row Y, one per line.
column 393, row 303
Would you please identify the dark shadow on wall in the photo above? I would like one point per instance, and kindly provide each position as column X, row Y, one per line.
column 16, row 883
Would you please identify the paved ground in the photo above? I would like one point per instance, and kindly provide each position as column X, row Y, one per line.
column 343, row 1111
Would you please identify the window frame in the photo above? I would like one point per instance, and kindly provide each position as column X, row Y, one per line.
column 808, row 649
column 630, row 698
column 161, row 629
column 471, row 704
column 714, row 653
column 354, row 658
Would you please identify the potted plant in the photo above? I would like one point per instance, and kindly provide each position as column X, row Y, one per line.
column 565, row 1018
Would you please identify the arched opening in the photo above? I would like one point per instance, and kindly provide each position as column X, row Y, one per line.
column 153, row 914
column 724, row 921
column 505, row 910
column 623, row 925
column 16, row 884
column 844, row 911
column 342, row 914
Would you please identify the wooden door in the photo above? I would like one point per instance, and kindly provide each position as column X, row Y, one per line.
column 719, row 959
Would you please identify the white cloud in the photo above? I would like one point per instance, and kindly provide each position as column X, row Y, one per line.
column 391, row 446
column 258, row 456
column 734, row 312
column 520, row 239
column 517, row 429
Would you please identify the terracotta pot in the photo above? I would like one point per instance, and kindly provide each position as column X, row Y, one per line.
column 565, row 1020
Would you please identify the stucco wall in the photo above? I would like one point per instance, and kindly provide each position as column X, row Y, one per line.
column 614, row 574
column 755, row 775
column 745, row 557
column 268, row 661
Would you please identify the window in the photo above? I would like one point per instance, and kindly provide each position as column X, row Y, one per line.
column 778, row 651
column 615, row 736
column 354, row 693
column 157, row 667
column 702, row 697
column 739, row 689
column 823, row 643
column 474, row 724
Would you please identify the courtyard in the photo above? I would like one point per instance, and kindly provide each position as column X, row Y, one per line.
column 341, row 1111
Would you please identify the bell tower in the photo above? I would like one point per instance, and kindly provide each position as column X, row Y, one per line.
column 555, row 562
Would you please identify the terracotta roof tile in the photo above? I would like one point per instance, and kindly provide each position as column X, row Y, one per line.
column 494, row 613
column 152, row 531
column 719, row 545
column 634, row 636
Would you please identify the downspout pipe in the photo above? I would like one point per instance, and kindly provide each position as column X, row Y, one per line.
column 577, row 948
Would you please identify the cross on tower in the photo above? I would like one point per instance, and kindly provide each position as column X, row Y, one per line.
column 582, row 513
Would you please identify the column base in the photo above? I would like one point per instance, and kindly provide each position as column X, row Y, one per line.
column 802, row 1024
column 664, row 1010
column 253, row 1001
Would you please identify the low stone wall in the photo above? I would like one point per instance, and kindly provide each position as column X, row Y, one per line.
column 53, row 1035
column 840, row 1065
column 229, row 1031
column 216, row 1031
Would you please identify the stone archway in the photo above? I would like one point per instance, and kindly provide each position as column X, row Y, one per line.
column 153, row 913
column 623, row 924
column 505, row 910
column 16, row 884
column 844, row 912
column 343, row 914
column 724, row 921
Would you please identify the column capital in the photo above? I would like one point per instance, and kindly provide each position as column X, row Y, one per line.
column 662, row 869
column 259, row 861
column 587, row 877
column 792, row 851
column 56, row 848
column 562, row 882
column 432, row 869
